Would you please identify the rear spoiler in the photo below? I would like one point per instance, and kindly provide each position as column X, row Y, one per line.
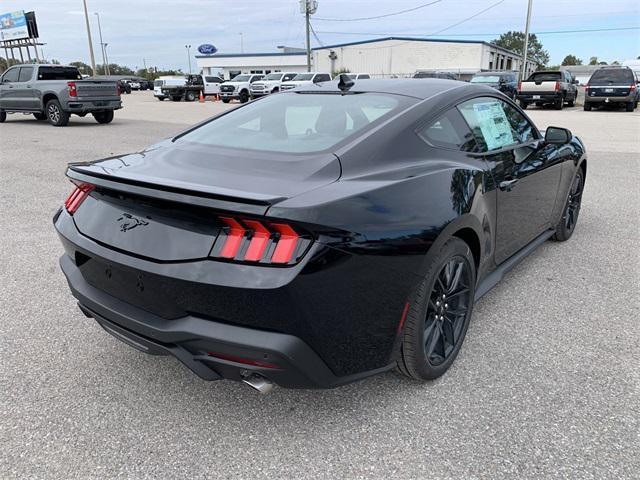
column 243, row 202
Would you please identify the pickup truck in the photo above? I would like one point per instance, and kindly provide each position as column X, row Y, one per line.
column 239, row 87
column 306, row 79
column 543, row 88
column 54, row 92
column 190, row 89
column 271, row 83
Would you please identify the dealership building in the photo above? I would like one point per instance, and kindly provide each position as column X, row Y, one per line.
column 382, row 58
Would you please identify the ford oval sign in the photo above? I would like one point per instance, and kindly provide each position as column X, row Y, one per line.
column 207, row 49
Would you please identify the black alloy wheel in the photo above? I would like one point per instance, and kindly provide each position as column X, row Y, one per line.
column 569, row 219
column 439, row 314
column 55, row 115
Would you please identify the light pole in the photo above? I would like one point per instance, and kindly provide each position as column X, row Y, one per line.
column 526, row 42
column 188, row 47
column 105, row 67
column 241, row 43
column 106, row 56
column 86, row 19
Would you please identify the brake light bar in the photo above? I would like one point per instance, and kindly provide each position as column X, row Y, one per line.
column 73, row 90
column 557, row 88
column 520, row 86
column 79, row 194
column 264, row 242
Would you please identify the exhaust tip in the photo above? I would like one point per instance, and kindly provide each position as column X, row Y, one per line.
column 259, row 383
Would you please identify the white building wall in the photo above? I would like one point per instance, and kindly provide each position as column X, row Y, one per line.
column 250, row 63
column 401, row 57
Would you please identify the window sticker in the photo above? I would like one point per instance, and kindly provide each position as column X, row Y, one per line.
column 494, row 125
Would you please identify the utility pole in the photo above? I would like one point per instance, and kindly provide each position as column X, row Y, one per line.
column 241, row 43
column 188, row 47
column 105, row 67
column 86, row 19
column 523, row 70
column 308, row 7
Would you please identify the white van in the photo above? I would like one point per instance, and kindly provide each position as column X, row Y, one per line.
column 161, row 82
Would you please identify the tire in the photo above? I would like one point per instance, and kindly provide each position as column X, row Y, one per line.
column 161, row 98
column 569, row 219
column 55, row 115
column 559, row 104
column 190, row 96
column 103, row 117
column 630, row 106
column 430, row 345
column 226, row 100
column 40, row 116
column 572, row 102
column 244, row 96
column 586, row 107
column 176, row 98
column 523, row 104
column 3, row 116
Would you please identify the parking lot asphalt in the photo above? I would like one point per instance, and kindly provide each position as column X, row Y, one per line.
column 547, row 384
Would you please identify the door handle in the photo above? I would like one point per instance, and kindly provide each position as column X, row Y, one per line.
column 507, row 185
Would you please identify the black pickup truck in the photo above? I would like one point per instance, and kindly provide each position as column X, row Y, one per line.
column 188, row 92
column 54, row 92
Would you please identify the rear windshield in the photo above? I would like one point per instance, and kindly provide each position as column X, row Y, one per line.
column 486, row 79
column 612, row 76
column 545, row 77
column 296, row 122
column 58, row 73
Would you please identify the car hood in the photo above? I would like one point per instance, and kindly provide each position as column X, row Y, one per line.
column 259, row 176
column 298, row 83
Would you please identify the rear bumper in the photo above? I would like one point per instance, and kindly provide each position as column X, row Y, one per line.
column 292, row 363
column 539, row 97
column 83, row 106
column 612, row 99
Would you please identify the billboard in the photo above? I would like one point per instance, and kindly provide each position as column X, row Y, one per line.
column 13, row 26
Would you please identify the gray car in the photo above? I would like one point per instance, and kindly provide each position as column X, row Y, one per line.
column 54, row 92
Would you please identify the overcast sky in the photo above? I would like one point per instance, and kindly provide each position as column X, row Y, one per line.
column 157, row 30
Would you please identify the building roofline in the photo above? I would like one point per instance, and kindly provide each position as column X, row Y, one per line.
column 231, row 55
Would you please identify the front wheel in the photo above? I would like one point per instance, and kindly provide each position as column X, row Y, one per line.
column 586, row 107
column 225, row 100
column 567, row 223
column 630, row 106
column 439, row 314
column 55, row 115
column 244, row 97
column 559, row 104
column 103, row 117
column 190, row 96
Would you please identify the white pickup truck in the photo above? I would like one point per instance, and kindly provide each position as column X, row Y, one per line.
column 557, row 88
column 271, row 83
column 305, row 79
column 239, row 87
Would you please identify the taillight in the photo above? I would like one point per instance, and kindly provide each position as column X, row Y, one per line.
column 557, row 86
column 520, row 86
column 586, row 88
column 73, row 91
column 118, row 91
column 259, row 241
column 73, row 201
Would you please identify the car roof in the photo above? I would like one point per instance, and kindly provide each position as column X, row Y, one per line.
column 497, row 72
column 413, row 87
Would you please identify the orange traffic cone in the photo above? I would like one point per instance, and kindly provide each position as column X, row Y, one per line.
column 201, row 97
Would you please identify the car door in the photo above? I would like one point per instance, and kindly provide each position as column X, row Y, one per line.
column 525, row 170
column 7, row 89
column 212, row 85
column 23, row 90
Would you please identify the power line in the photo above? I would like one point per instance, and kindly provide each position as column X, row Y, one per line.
column 469, row 18
column 405, row 34
column 400, row 12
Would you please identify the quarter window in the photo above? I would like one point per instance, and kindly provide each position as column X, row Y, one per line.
column 496, row 124
column 449, row 131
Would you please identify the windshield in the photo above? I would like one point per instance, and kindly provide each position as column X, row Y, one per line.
column 545, row 77
column 612, row 76
column 296, row 123
column 157, row 83
column 303, row 76
column 273, row 76
column 241, row 78
column 486, row 79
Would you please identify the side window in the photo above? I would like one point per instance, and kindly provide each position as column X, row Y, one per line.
column 321, row 77
column 363, row 77
column 11, row 75
column 496, row 124
column 449, row 131
column 25, row 74
column 288, row 77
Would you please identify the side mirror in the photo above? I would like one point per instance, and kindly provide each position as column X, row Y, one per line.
column 557, row 135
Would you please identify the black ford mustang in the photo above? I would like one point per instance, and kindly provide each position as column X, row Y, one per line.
column 318, row 236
